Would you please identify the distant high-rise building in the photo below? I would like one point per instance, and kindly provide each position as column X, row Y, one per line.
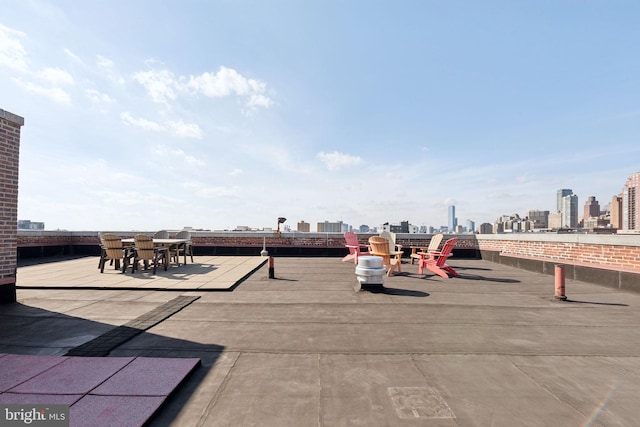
column 591, row 208
column 486, row 228
column 631, row 203
column 540, row 218
column 403, row 227
column 615, row 208
column 25, row 224
column 453, row 221
column 471, row 226
column 561, row 194
column 555, row 220
column 330, row 227
column 569, row 211
column 304, row 227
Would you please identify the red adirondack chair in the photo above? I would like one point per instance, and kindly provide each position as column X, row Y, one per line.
column 435, row 261
column 354, row 246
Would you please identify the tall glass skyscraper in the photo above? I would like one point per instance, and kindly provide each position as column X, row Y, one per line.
column 562, row 193
column 631, row 203
column 569, row 211
column 453, row 221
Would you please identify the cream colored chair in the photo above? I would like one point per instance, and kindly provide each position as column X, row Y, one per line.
column 391, row 237
column 392, row 259
column 434, row 244
column 162, row 234
column 182, row 249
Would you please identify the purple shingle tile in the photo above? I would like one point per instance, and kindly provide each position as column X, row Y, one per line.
column 148, row 376
column 18, row 368
column 103, row 411
column 39, row 399
column 75, row 375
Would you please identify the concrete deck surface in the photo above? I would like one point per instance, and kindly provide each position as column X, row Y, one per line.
column 488, row 348
column 209, row 272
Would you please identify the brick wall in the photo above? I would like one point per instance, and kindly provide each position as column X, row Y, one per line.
column 35, row 238
column 10, row 125
column 614, row 252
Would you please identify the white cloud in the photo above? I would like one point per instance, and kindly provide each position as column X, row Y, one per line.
column 164, row 151
column 498, row 196
column 178, row 128
column 258, row 100
column 73, row 56
column 236, row 172
column 108, row 67
column 173, row 154
column 337, row 160
column 12, row 52
column 56, row 76
column 181, row 129
column 99, row 97
column 141, row 123
column 104, row 62
column 55, row 94
column 160, row 85
column 221, row 84
column 163, row 86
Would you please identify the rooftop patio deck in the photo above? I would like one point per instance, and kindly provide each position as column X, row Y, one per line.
column 490, row 347
column 208, row 273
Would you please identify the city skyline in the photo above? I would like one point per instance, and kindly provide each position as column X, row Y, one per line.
column 221, row 114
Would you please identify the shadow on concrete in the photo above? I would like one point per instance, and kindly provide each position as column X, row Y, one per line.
column 34, row 331
column 594, row 303
column 471, row 268
column 486, row 279
column 412, row 275
column 25, row 262
column 180, row 273
column 403, row 292
column 283, row 279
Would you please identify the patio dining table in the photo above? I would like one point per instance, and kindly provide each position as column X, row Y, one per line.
column 170, row 243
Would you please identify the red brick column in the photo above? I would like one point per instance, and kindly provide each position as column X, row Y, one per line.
column 10, row 125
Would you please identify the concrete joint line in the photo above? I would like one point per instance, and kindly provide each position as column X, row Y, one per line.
column 102, row 345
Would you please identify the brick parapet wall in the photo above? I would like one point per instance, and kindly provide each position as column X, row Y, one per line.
column 32, row 238
column 614, row 252
column 10, row 125
column 602, row 251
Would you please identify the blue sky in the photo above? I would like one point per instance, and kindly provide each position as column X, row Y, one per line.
column 215, row 114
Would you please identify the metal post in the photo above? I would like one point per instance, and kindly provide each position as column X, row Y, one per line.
column 559, row 276
column 271, row 268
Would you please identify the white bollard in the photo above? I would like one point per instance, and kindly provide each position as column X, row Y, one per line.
column 370, row 273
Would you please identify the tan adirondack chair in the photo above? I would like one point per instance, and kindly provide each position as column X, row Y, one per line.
column 112, row 249
column 149, row 253
column 392, row 259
